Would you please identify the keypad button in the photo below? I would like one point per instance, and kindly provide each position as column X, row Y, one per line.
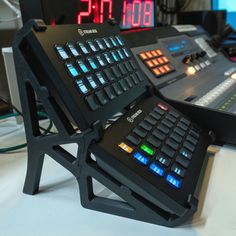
column 120, row 41
column 174, row 114
column 179, row 131
column 108, row 58
column 171, row 118
column 145, row 125
column 182, row 161
column 135, row 78
column 124, row 85
column 121, row 54
column 61, row 52
column 107, row 42
column 140, row 76
column 140, row 132
column 176, row 137
column 129, row 81
column 115, row 56
column 167, row 123
column 101, row 60
column 182, row 126
column 172, row 144
column 84, row 68
column 128, row 67
column 116, row 71
column 192, row 140
column 92, row 82
column 147, row 149
column 155, row 115
column 168, row 151
column 142, row 159
column 133, row 64
column 92, row 63
column 154, row 141
column 158, row 134
column 72, row 70
column 73, row 50
column 189, row 146
column 81, row 86
column 163, row 160
column 126, row 52
column 101, row 78
column 126, row 147
column 194, row 134
column 122, row 69
column 102, row 98
column 174, row 181
column 185, row 153
column 100, row 44
column 163, row 129
column 109, row 74
column 92, row 102
column 135, row 140
column 117, row 88
column 151, row 120
column 83, row 48
column 114, row 41
column 159, row 111
column 178, row 170
column 109, row 91
column 92, row 45
column 157, row 169
column 185, row 121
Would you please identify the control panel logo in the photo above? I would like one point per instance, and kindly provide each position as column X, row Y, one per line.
column 131, row 119
column 90, row 31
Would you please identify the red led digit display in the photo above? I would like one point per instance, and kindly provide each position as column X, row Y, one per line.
column 134, row 13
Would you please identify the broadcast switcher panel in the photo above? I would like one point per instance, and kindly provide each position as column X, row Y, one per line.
column 184, row 67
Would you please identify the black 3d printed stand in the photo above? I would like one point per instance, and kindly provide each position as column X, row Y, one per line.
column 81, row 166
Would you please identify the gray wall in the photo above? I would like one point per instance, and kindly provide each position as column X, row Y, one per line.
column 200, row 5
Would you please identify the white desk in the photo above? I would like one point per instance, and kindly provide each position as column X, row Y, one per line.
column 56, row 210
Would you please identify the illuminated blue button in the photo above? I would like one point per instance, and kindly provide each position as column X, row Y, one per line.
column 62, row 53
column 92, row 83
column 84, row 48
column 72, row 70
column 92, row 63
column 141, row 158
column 100, row 44
column 108, row 58
column 114, row 42
column 121, row 54
column 101, row 61
column 186, row 153
column 173, row 181
column 126, row 52
column 101, row 78
column 157, row 169
column 92, row 46
column 107, row 42
column 73, row 49
column 83, row 89
column 83, row 67
column 114, row 55
column 120, row 41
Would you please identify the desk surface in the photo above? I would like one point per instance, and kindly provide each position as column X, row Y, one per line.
column 56, row 210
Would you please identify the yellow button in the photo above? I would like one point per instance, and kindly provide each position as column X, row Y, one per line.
column 126, row 148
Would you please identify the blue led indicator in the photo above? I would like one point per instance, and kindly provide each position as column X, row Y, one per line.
column 119, row 40
column 83, row 48
column 83, row 67
column 92, row 46
column 100, row 44
column 92, row 63
column 100, row 60
column 108, row 44
column 121, row 54
column 141, row 158
column 81, row 86
column 108, row 58
column 115, row 56
column 157, row 169
column 114, row 42
column 100, row 78
column 173, row 181
column 72, row 70
column 92, row 82
column 126, row 52
column 73, row 50
column 62, row 52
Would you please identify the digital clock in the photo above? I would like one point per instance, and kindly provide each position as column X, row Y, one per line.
column 129, row 13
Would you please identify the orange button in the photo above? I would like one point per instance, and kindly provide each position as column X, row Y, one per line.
column 149, row 55
column 160, row 61
column 156, row 71
column 150, row 64
column 126, row 148
column 143, row 56
column 162, row 70
column 159, row 52
column 165, row 59
column 155, row 62
column 154, row 53
column 167, row 68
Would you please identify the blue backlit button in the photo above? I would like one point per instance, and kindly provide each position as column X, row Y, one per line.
column 121, row 54
column 93, row 46
column 141, row 158
column 185, row 153
column 177, row 169
column 91, row 81
column 157, row 169
column 114, row 42
column 84, row 49
column 108, row 58
column 101, row 60
column 172, row 180
column 73, row 50
column 101, row 78
column 92, row 63
column 100, row 44
column 115, row 56
column 108, row 42
column 126, row 52
column 61, row 52
column 82, row 66
column 82, row 87
column 72, row 70
column 120, row 41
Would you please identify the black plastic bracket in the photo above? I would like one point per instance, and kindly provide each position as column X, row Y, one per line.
column 82, row 166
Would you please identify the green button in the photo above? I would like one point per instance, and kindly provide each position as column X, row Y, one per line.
column 148, row 150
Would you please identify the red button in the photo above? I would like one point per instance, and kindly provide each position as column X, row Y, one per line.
column 163, row 107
